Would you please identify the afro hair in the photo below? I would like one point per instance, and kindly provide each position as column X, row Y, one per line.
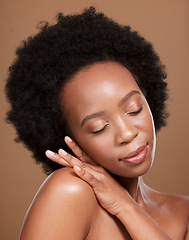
column 47, row 60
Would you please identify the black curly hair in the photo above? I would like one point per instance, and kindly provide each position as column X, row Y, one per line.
column 47, row 60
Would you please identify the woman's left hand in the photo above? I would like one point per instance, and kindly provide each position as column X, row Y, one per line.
column 107, row 190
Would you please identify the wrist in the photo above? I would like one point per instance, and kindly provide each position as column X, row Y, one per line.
column 126, row 206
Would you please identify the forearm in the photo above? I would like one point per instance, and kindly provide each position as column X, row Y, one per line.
column 138, row 223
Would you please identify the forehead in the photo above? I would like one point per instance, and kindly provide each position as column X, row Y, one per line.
column 94, row 86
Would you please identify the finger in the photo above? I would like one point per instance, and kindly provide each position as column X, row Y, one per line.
column 85, row 171
column 78, row 151
column 87, row 176
column 71, row 160
column 56, row 158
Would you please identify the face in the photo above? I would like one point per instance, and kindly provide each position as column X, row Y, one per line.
column 109, row 118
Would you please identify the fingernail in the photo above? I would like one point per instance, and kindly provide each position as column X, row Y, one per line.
column 69, row 139
column 50, row 152
column 62, row 152
column 78, row 168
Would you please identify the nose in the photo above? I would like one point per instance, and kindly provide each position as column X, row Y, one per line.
column 125, row 130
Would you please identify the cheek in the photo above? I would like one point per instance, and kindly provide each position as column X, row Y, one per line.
column 97, row 149
column 150, row 125
column 147, row 122
column 149, row 130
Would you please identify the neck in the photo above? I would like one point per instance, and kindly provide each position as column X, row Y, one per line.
column 135, row 187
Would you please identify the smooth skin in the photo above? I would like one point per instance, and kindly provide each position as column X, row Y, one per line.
column 99, row 195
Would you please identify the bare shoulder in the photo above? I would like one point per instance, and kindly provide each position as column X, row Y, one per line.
column 171, row 212
column 65, row 184
column 175, row 206
column 64, row 181
column 63, row 207
column 172, row 201
column 182, row 202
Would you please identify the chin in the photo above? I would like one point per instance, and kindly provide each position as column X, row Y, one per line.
column 135, row 171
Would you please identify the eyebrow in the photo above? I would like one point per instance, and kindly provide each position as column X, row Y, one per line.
column 127, row 96
column 101, row 113
column 93, row 115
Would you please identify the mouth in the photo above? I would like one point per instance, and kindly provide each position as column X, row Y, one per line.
column 137, row 156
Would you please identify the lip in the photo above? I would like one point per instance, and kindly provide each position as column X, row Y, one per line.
column 136, row 156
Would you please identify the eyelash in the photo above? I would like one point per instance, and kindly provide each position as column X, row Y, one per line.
column 136, row 112
column 131, row 114
column 102, row 129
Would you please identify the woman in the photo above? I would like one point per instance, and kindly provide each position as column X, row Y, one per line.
column 89, row 85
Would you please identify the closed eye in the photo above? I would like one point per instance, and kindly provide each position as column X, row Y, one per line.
column 101, row 130
column 135, row 112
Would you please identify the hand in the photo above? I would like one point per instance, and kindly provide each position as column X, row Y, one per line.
column 107, row 190
column 110, row 194
column 75, row 148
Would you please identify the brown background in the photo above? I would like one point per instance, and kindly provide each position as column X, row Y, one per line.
column 163, row 22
